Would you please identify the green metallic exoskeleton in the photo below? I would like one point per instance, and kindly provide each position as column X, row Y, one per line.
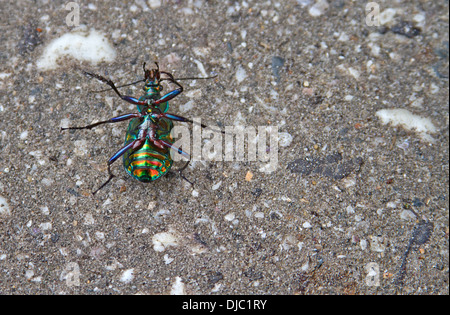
column 148, row 162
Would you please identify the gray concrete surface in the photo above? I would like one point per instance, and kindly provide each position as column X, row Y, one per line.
column 355, row 206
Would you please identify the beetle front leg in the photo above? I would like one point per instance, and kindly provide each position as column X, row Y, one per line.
column 129, row 99
column 167, row 97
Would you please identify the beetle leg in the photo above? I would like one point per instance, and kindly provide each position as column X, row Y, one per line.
column 134, row 144
column 172, row 94
column 109, row 121
column 180, row 118
column 126, row 98
column 162, row 143
column 180, row 171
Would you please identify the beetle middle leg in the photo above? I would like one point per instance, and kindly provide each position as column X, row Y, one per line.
column 109, row 121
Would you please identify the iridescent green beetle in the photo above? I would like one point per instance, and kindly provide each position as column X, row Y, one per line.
column 148, row 162
column 146, row 153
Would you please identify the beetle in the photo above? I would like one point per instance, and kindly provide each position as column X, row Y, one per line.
column 146, row 152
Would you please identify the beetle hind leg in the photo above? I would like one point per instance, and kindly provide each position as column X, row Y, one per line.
column 180, row 171
column 111, row 176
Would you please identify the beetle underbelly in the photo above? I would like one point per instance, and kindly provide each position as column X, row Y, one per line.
column 147, row 165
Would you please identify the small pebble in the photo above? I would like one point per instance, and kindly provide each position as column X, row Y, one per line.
column 127, row 276
column 259, row 215
column 216, row 186
column 45, row 211
column 241, row 74
column 284, row 139
column 163, row 240
column 230, row 217
column 178, row 287
column 318, row 8
column 154, row 4
column 363, row 244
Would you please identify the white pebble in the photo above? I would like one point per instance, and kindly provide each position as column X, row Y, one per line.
column 391, row 204
column 350, row 210
column 194, row 93
column 201, row 68
column 304, row 3
column 343, row 37
column 259, row 215
column 45, row 226
column 387, row 15
column 353, row 72
column 89, row 219
column 434, row 88
column 47, row 182
column 186, row 107
column 80, row 44
column 403, row 117
column 363, row 244
column 407, row 215
column 45, row 211
column 151, row 205
column 216, row 186
column 230, row 217
column 420, row 19
column 178, row 287
column 307, row 225
column 167, row 259
column 23, row 135
column 305, row 266
column 99, row 235
column 284, row 139
column 37, row 279
column 163, row 240
column 127, row 276
column 154, row 4
column 29, row 274
column 241, row 74
column 318, row 8
column 377, row 245
column 348, row 98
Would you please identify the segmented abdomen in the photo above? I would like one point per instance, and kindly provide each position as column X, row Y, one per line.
column 148, row 162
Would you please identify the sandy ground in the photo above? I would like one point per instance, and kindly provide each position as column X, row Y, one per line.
column 355, row 206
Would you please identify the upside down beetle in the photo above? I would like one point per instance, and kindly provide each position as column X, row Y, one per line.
column 148, row 140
